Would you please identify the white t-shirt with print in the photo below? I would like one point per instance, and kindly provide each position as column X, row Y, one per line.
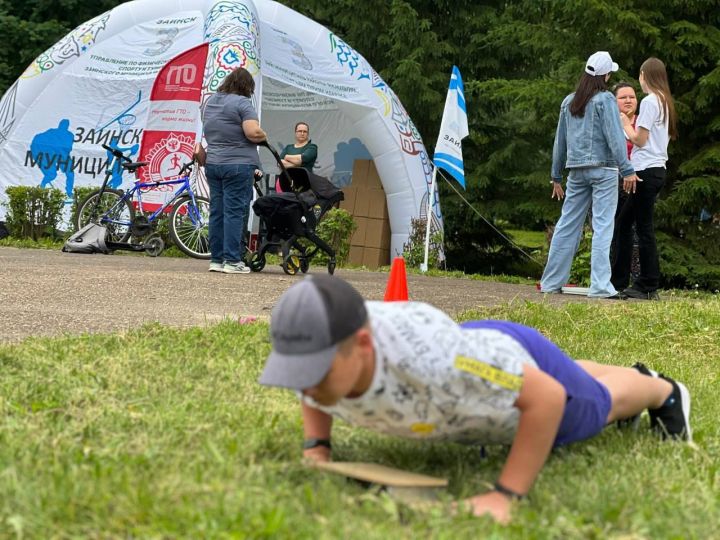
column 654, row 153
column 435, row 380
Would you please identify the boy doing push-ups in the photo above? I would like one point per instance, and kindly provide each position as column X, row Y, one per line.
column 407, row 369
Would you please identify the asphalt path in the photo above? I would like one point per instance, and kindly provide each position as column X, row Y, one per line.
column 49, row 293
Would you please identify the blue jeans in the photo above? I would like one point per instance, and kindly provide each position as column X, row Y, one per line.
column 230, row 196
column 584, row 186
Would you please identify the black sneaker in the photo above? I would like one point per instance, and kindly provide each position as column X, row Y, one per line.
column 642, row 368
column 673, row 418
column 632, row 292
column 634, row 421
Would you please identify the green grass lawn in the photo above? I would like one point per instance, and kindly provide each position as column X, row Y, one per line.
column 164, row 433
column 531, row 239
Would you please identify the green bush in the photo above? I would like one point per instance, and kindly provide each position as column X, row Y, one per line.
column 336, row 228
column 162, row 227
column 580, row 269
column 34, row 212
column 682, row 265
column 414, row 248
column 691, row 262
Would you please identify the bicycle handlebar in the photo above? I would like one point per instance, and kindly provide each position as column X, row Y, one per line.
column 115, row 152
column 187, row 167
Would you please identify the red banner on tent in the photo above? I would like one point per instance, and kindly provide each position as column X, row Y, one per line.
column 174, row 112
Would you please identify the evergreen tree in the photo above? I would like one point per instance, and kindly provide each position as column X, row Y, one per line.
column 519, row 58
column 32, row 27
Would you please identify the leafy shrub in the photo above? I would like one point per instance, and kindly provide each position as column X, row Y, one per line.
column 162, row 227
column 692, row 262
column 683, row 265
column 580, row 269
column 414, row 248
column 34, row 212
column 336, row 228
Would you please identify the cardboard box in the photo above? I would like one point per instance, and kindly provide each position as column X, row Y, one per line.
column 386, row 236
column 375, row 257
column 377, row 233
column 360, row 172
column 348, row 203
column 355, row 257
column 362, row 202
column 372, row 178
column 358, row 237
column 377, row 204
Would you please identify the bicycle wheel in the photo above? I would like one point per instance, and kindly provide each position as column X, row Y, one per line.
column 189, row 226
column 110, row 210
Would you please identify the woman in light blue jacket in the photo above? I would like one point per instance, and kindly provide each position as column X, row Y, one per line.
column 590, row 143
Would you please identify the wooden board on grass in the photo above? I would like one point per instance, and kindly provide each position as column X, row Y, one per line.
column 379, row 474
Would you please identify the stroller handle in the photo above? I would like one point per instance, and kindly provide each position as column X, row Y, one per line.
column 278, row 159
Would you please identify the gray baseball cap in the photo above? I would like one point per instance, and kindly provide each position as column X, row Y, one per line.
column 306, row 325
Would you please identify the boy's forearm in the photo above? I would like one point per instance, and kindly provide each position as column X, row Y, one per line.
column 541, row 404
column 316, row 424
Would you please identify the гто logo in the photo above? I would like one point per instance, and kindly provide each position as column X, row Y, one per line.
column 178, row 75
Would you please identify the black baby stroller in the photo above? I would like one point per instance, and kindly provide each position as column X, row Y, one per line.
column 292, row 215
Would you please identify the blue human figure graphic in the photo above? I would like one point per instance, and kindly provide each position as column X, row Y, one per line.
column 344, row 157
column 117, row 171
column 51, row 150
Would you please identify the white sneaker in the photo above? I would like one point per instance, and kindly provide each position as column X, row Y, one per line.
column 235, row 268
column 215, row 267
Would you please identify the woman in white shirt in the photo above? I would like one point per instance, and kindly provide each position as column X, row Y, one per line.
column 656, row 124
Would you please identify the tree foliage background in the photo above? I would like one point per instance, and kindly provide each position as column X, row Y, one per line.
column 518, row 58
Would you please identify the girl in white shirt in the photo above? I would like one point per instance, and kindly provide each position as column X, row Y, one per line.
column 656, row 124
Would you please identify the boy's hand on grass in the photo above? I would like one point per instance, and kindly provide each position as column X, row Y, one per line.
column 495, row 504
column 318, row 454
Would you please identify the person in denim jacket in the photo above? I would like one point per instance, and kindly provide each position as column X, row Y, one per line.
column 590, row 143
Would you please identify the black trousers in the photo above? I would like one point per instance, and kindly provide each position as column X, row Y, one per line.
column 638, row 208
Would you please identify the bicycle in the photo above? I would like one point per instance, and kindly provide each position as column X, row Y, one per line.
column 115, row 209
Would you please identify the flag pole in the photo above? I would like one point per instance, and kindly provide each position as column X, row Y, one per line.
column 428, row 218
column 448, row 150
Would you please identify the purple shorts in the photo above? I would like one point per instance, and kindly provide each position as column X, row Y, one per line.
column 588, row 400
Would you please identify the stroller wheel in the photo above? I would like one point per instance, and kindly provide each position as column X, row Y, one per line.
column 291, row 265
column 257, row 262
column 331, row 266
column 304, row 265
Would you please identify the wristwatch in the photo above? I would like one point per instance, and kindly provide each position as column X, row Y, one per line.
column 508, row 492
column 314, row 443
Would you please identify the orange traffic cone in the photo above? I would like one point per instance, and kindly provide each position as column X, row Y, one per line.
column 397, row 290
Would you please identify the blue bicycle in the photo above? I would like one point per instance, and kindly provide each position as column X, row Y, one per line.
column 121, row 212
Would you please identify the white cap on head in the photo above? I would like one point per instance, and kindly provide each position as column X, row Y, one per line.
column 600, row 63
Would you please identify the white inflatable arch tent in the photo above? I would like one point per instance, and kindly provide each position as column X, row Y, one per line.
column 93, row 86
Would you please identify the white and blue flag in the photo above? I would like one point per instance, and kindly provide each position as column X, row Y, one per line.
column 454, row 128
